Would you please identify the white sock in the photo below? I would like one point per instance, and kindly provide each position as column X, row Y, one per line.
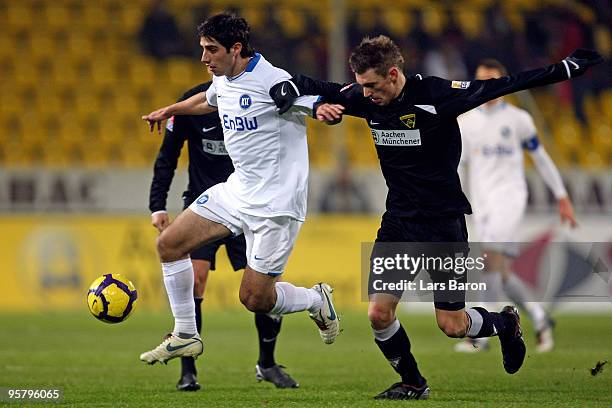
column 492, row 296
column 537, row 314
column 291, row 299
column 388, row 332
column 178, row 279
column 517, row 292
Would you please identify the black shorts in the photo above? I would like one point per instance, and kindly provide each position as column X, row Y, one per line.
column 235, row 247
column 453, row 230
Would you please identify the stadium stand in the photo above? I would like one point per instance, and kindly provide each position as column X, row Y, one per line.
column 73, row 75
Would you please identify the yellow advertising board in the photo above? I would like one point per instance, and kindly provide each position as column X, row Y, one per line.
column 47, row 262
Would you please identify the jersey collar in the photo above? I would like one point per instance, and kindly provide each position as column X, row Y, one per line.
column 402, row 97
column 495, row 108
column 249, row 68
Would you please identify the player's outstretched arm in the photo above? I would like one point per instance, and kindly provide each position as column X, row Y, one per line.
column 285, row 93
column 456, row 97
column 195, row 105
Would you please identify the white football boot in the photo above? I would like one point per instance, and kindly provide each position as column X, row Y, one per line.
column 326, row 317
column 173, row 347
column 545, row 340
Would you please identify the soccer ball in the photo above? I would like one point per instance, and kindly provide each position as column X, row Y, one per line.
column 111, row 298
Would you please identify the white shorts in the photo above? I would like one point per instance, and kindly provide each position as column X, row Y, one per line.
column 269, row 240
column 496, row 227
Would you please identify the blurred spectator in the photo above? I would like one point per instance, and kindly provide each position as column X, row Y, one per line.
column 160, row 36
column 445, row 61
column 342, row 194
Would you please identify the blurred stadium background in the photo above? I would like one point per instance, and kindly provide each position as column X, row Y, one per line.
column 76, row 160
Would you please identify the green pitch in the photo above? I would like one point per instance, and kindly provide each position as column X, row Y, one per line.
column 97, row 364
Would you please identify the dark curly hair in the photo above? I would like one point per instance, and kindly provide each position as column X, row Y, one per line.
column 379, row 53
column 228, row 29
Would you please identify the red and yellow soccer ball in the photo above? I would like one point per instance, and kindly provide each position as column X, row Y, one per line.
column 111, row 298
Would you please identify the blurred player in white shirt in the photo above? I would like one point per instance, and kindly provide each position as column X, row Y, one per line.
column 494, row 136
column 264, row 199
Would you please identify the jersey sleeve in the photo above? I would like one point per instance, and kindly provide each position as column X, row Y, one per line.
column 549, row 172
column 456, row 97
column 305, row 105
column 165, row 163
column 350, row 95
column 211, row 94
column 274, row 76
column 527, row 132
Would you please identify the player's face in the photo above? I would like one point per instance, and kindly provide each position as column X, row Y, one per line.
column 484, row 73
column 380, row 89
column 218, row 61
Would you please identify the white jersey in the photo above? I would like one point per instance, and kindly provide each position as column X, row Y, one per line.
column 269, row 151
column 493, row 141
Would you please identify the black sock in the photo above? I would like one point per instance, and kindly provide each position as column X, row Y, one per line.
column 397, row 351
column 198, row 311
column 188, row 363
column 267, row 330
column 484, row 323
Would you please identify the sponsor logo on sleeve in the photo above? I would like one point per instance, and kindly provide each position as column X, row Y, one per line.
column 460, row 84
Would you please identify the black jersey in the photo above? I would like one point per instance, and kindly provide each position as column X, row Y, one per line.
column 209, row 163
column 417, row 137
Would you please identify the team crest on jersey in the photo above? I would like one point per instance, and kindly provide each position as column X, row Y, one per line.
column 460, row 84
column 506, row 131
column 409, row 120
column 245, row 101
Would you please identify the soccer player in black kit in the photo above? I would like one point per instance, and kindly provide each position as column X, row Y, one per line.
column 414, row 127
column 209, row 164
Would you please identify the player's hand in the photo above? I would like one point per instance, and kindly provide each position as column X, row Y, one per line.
column 160, row 220
column 284, row 94
column 330, row 113
column 580, row 60
column 566, row 212
column 157, row 117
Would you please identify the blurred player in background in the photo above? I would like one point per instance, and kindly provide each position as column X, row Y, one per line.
column 494, row 136
column 264, row 198
column 413, row 121
column 209, row 164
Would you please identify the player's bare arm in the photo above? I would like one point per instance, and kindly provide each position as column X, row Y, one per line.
column 195, row 105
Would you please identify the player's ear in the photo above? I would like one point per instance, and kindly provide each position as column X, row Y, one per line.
column 236, row 49
column 393, row 73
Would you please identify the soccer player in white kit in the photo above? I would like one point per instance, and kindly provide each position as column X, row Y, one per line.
column 265, row 197
column 494, row 136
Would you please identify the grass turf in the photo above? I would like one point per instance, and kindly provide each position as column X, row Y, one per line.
column 97, row 364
